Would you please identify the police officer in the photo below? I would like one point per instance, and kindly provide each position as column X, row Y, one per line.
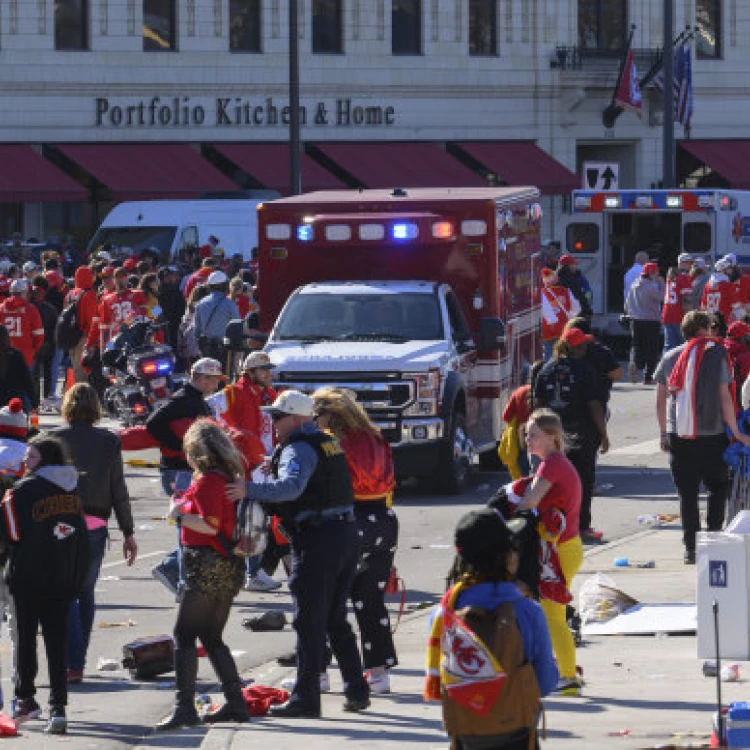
column 311, row 490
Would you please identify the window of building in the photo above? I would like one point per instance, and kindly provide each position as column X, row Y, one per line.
column 159, row 25
column 71, row 24
column 406, row 27
column 482, row 27
column 602, row 25
column 708, row 36
column 327, row 28
column 244, row 26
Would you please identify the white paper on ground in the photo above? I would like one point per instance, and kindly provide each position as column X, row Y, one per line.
column 648, row 619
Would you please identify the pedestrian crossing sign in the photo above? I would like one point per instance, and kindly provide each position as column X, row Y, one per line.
column 717, row 573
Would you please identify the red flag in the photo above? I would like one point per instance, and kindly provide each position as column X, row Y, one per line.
column 628, row 94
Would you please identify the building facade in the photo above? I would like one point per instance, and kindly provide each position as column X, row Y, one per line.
column 210, row 74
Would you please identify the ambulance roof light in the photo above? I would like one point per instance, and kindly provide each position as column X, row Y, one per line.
column 674, row 201
column 612, row 201
column 473, row 228
column 405, row 231
column 442, row 230
column 304, row 233
column 371, row 231
column 582, row 201
column 644, row 201
column 704, row 201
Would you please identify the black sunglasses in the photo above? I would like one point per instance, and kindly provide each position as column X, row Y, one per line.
column 277, row 416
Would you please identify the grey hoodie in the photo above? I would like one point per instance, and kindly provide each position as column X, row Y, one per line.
column 65, row 477
column 644, row 299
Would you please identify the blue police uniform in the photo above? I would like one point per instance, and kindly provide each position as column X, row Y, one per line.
column 311, row 491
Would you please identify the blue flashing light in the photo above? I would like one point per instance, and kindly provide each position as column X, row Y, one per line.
column 304, row 233
column 405, row 231
column 164, row 366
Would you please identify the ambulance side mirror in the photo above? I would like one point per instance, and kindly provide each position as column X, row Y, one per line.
column 491, row 334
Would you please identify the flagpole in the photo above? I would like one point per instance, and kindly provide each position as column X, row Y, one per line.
column 668, row 176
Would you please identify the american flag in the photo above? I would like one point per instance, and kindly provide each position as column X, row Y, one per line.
column 683, row 86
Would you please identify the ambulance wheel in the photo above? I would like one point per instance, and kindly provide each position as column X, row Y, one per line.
column 454, row 461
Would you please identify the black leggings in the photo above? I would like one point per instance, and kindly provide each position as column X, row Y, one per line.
column 203, row 617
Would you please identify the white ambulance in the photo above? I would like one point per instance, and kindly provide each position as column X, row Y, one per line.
column 607, row 228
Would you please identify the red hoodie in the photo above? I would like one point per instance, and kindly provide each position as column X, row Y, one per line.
column 24, row 326
column 86, row 296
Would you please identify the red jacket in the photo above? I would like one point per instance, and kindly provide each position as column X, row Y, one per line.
column 238, row 405
column 86, row 296
column 114, row 309
column 24, row 326
column 370, row 464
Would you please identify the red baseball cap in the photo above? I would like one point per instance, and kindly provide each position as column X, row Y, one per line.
column 130, row 263
column 54, row 279
column 567, row 260
column 649, row 268
column 576, row 337
column 738, row 330
column 108, row 271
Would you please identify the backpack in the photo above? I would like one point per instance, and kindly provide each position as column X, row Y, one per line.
column 488, row 687
column 68, row 331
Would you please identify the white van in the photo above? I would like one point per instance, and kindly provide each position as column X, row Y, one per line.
column 174, row 227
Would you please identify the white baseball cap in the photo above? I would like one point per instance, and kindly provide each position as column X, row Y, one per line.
column 684, row 258
column 208, row 366
column 104, row 255
column 722, row 265
column 19, row 286
column 730, row 258
column 291, row 402
column 257, row 361
column 217, row 278
column 700, row 262
column 29, row 266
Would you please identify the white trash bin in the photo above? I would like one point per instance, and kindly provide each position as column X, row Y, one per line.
column 723, row 567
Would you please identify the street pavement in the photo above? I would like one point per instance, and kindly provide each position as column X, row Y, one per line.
column 649, row 686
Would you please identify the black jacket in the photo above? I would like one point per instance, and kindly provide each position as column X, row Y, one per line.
column 172, row 303
column 169, row 424
column 98, row 457
column 43, row 521
column 16, row 382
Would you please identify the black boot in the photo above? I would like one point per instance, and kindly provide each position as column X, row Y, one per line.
column 235, row 709
column 186, row 673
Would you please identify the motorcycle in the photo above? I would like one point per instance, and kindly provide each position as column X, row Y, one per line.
column 140, row 372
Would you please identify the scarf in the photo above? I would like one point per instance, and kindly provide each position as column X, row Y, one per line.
column 433, row 683
column 683, row 384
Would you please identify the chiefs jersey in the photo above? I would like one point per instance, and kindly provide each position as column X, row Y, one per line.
column 675, row 291
column 720, row 295
column 114, row 310
column 24, row 326
column 558, row 307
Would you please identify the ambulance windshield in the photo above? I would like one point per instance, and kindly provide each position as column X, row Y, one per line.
column 361, row 317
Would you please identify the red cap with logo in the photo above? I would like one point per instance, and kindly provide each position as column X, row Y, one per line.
column 567, row 260
column 576, row 337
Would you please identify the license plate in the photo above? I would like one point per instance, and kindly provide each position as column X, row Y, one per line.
column 158, row 383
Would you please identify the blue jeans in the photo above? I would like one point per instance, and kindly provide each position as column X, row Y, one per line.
column 171, row 561
column 54, row 371
column 672, row 336
column 81, row 611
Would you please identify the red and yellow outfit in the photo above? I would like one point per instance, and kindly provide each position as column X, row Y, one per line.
column 370, row 465
column 24, row 326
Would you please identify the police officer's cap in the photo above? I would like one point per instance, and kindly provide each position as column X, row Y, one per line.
column 294, row 403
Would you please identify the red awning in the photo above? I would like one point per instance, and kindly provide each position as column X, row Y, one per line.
column 523, row 163
column 138, row 172
column 268, row 163
column 386, row 165
column 26, row 177
column 731, row 159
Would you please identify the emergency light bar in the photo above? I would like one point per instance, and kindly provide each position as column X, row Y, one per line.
column 338, row 232
column 304, row 233
column 612, row 201
column 582, row 201
column 278, row 232
column 474, row 228
column 405, row 231
column 674, row 201
column 371, row 231
column 643, row 201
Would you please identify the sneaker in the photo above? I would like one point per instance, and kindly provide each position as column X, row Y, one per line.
column 166, row 576
column 591, row 536
column 570, row 687
column 632, row 372
column 75, row 676
column 325, row 683
column 261, row 581
column 26, row 709
column 58, row 723
column 379, row 683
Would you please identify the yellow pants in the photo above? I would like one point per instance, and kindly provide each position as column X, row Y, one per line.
column 571, row 557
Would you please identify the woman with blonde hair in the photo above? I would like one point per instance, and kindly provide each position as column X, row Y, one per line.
column 556, row 485
column 371, row 466
column 213, row 574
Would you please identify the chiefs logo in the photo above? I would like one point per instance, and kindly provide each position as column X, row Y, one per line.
column 63, row 530
column 737, row 228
